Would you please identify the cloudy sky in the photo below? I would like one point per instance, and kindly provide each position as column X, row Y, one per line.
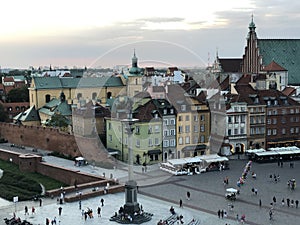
column 96, row 33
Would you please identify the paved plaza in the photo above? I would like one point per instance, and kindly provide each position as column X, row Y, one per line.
column 158, row 191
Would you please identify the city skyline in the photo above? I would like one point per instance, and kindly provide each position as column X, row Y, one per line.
column 163, row 33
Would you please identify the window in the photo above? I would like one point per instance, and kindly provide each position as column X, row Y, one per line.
column 166, row 143
column 283, row 111
column 109, row 126
column 166, row 133
column 236, row 119
column 202, row 138
column 110, row 138
column 187, row 129
column 137, row 130
column 156, row 128
column 47, row 98
column 243, row 118
column 172, row 111
column 156, row 141
column 252, row 131
column 274, row 121
column 195, row 118
column 202, row 117
column 292, row 130
column 297, row 130
column 179, row 118
column 269, row 132
column 172, row 132
column 150, row 144
column 236, row 131
column 229, row 119
column 172, row 121
column 202, row 128
column 79, row 96
column 252, row 120
column 172, row 142
column 274, row 131
column 138, row 142
column 165, row 122
column 187, row 139
column 180, row 129
column 195, row 140
column 196, row 128
column 165, row 111
column 292, row 111
column 150, row 130
column 229, row 132
column 283, row 120
column 183, row 107
column 242, row 130
column 283, row 131
column 180, row 141
column 187, row 118
column 269, row 121
column 94, row 95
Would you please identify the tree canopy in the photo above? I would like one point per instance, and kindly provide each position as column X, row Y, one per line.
column 18, row 95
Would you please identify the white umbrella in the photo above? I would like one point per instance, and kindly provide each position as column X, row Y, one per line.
column 231, row 190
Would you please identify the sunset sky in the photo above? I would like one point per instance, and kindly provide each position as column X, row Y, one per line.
column 97, row 33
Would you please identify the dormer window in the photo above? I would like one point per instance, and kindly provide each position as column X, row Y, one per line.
column 183, row 107
column 165, row 111
column 172, row 111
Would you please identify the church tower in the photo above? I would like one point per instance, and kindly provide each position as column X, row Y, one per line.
column 134, row 78
column 251, row 59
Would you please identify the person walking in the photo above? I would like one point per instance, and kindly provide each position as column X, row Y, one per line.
column 297, row 203
column 282, row 202
column 26, row 210
column 288, row 202
column 59, row 211
column 274, row 200
column 188, row 195
column 41, row 201
column 222, row 213
column 99, row 211
column 219, row 213
column 180, row 203
column 102, row 202
column 79, row 205
column 259, row 202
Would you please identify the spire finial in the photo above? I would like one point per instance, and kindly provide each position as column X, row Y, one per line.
column 134, row 52
column 252, row 17
column 217, row 52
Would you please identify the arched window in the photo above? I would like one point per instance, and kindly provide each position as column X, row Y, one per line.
column 17, row 108
column 47, row 98
column 79, row 96
column 94, row 95
column 108, row 95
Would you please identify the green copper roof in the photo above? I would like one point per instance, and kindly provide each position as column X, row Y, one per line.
column 67, row 82
column 285, row 52
column 30, row 114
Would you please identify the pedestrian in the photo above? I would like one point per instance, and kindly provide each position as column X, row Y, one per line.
column 274, row 200
column 59, row 211
column 54, row 220
column 41, row 202
column 26, row 210
column 222, row 213
column 188, row 195
column 219, row 213
column 259, row 202
column 180, row 203
column 237, row 217
column 270, row 214
column 297, row 203
column 255, row 191
column 32, row 210
column 102, row 202
column 99, row 211
column 282, row 202
column 79, row 205
column 47, row 221
column 281, row 164
column 288, row 202
column 292, row 203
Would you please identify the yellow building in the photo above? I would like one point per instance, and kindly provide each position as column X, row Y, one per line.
column 99, row 89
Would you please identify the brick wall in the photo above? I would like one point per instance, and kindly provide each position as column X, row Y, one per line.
column 40, row 137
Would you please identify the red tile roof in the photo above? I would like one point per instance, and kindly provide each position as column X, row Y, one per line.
column 273, row 66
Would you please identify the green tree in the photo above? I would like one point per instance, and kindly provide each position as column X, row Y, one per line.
column 18, row 95
column 3, row 114
column 58, row 120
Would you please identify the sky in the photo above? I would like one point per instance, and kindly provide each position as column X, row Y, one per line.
column 96, row 33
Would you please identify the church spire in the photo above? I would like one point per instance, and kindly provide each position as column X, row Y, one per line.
column 252, row 24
